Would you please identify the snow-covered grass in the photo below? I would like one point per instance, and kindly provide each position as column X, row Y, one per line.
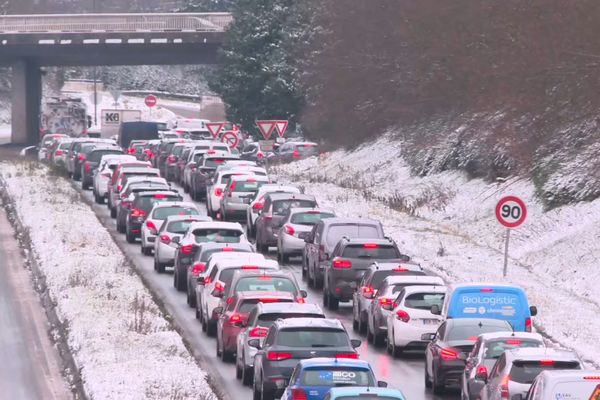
column 447, row 221
column 119, row 337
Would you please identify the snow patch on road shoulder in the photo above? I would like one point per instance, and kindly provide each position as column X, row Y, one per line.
column 125, row 347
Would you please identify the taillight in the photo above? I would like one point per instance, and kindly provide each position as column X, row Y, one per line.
column 258, row 206
column 235, row 318
column 341, row 263
column 260, row 155
column 546, row 362
column 207, row 280
column 278, row 356
column 187, row 249
column 136, row 212
column 299, row 394
column 347, row 355
column 198, row 268
column 289, row 230
column 232, row 187
column 370, row 246
column 218, row 192
column 481, row 370
column 258, row 332
column 131, row 150
column 528, row 324
column 249, row 267
column 81, row 157
column 171, row 159
column 448, row 354
column 87, row 166
column 227, row 249
column 165, row 239
column 296, row 154
column 152, row 227
column 504, row 387
column 59, row 152
column 367, row 291
column 402, row 316
column 219, row 287
column 119, row 187
column 229, row 300
column 385, row 301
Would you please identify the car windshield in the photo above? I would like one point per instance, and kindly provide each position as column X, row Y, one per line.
column 164, row 212
column 423, row 301
column 352, row 231
column 218, row 235
column 370, row 251
column 526, row 371
column 265, row 283
column 179, row 226
column 495, row 348
column 267, row 320
column 471, row 331
column 280, row 207
column 312, row 337
column 226, row 178
column 337, row 376
column 310, row 217
column 248, row 304
column 146, row 203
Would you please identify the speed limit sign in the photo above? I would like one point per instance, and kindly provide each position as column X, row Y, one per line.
column 511, row 211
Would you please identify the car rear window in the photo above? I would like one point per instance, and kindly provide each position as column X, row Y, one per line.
column 147, row 202
column 265, row 283
column 306, row 148
column 495, row 348
column 353, row 231
column 379, row 276
column 267, row 320
column 166, row 147
column 217, row 235
column 423, row 301
column 370, row 251
column 527, row 371
column 470, row 332
column 205, row 255
column 337, row 376
column 177, row 150
column 221, row 148
column 226, row 275
column 310, row 217
column 312, row 337
column 214, row 162
column 280, row 207
column 95, row 156
column 65, row 145
column 179, row 226
column 248, row 304
column 247, row 186
column 164, row 212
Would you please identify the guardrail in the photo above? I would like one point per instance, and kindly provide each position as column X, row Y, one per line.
column 81, row 23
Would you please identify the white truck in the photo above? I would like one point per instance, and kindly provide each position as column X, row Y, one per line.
column 67, row 116
column 112, row 119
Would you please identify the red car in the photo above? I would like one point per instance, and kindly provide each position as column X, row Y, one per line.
column 234, row 318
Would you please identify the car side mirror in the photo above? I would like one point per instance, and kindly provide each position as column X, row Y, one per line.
column 533, row 311
column 308, row 239
column 176, row 239
column 482, row 376
column 303, row 294
column 200, row 280
column 404, row 258
column 254, row 343
column 428, row 337
column 217, row 293
column 218, row 310
column 355, row 343
column 382, row 384
column 435, row 310
column 387, row 306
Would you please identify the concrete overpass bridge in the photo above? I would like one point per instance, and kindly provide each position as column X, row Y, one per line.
column 29, row 42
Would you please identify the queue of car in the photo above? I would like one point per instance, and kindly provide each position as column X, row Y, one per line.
column 476, row 337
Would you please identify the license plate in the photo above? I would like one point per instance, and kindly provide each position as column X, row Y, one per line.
column 303, row 235
column 246, row 200
column 430, row 322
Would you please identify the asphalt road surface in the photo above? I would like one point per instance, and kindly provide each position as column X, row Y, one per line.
column 406, row 373
column 30, row 365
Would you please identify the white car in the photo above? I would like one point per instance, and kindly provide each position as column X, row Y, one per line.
column 411, row 317
column 237, row 195
column 214, row 192
column 156, row 217
column 296, row 226
column 214, row 284
column 104, row 173
column 173, row 227
column 59, row 158
column 256, row 205
column 566, row 384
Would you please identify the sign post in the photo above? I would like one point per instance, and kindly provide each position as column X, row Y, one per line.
column 511, row 212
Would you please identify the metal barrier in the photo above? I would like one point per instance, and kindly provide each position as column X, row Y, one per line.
column 80, row 23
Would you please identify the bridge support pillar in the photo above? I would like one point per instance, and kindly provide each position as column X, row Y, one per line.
column 26, row 100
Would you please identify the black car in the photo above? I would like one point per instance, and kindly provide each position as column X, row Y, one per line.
column 91, row 163
column 140, row 207
column 204, row 172
column 124, row 204
column 290, row 340
column 164, row 150
column 446, row 354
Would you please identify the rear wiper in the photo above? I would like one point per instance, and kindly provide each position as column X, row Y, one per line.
column 320, row 345
column 365, row 256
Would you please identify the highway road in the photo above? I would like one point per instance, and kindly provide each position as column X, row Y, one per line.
column 406, row 373
column 30, row 367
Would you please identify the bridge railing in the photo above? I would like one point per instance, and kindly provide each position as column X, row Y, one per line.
column 76, row 23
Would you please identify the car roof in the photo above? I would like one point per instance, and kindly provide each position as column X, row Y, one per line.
column 285, row 196
column 222, row 257
column 142, row 178
column 388, row 266
column 167, row 204
column 298, row 210
column 424, row 279
column 127, row 170
column 300, row 308
column 309, row 323
column 480, row 285
column 200, row 218
column 155, row 192
column 424, row 288
column 213, row 245
column 259, row 294
column 261, row 263
column 261, row 178
column 217, row 225
column 338, row 362
column 348, row 220
column 511, row 335
column 539, row 353
column 377, row 241
column 277, row 187
column 337, row 392
column 276, row 273
column 477, row 321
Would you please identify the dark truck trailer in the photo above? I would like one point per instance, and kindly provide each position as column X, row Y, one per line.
column 137, row 130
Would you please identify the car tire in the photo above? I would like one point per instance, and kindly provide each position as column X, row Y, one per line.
column 159, row 267
column 333, row 303
column 304, row 268
column 247, row 375
column 211, row 329
column 98, row 199
column 264, row 394
column 113, row 212
column 370, row 336
column 185, row 188
column 218, row 347
column 198, row 314
column 427, row 378
column 256, row 394
column 129, row 236
column 362, row 325
column 392, row 349
column 147, row 251
column 180, row 283
column 191, row 299
column 238, row 370
column 438, row 388
column 378, row 339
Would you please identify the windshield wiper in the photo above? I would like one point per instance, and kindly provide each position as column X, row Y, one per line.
column 320, row 345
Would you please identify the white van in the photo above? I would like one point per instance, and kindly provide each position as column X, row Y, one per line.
column 565, row 384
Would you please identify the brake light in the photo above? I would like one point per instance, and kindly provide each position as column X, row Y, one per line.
column 258, row 332
column 591, row 378
column 299, row 394
column 171, row 159
column 229, row 300
column 136, row 212
column 119, row 187
column 265, row 278
column 341, row 263
column 527, row 324
column 353, row 356
column 367, row 291
column 370, row 246
column 210, row 151
column 218, row 192
column 59, row 152
column 400, row 269
column 197, row 269
column 219, row 287
column 278, row 356
column 165, row 239
column 546, row 362
column 514, row 342
column 235, row 317
column 504, row 387
column 402, row 316
column 289, row 230
column 260, row 155
column 160, row 196
column 448, row 355
column 251, row 180
column 187, row 249
column 296, row 154
column 227, row 249
column 131, row 150
column 385, row 301
column 81, row 157
column 249, row 267
column 152, row 227
column 232, row 186
column 207, row 280
column 300, row 300
column 486, row 290
column 258, row 206
column 481, row 370
column 87, row 166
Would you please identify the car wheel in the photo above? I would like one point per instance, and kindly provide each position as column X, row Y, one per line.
column 181, row 284
column 175, row 277
column 370, row 335
column 266, row 395
column 325, row 299
column 160, row 267
column 203, row 321
column 247, row 374
column 256, row 394
column 333, row 303
column 185, row 188
column 238, row 370
column 113, row 212
column 304, row 275
column 211, row 328
column 198, row 314
column 427, row 378
column 219, row 352
column 438, row 387
column 378, row 339
column 191, row 299
column 129, row 236
column 362, row 325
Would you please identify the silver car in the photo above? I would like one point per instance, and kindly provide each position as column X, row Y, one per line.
column 258, row 202
column 237, row 195
column 164, row 248
column 297, row 225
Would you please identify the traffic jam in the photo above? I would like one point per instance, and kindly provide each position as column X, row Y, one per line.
column 302, row 303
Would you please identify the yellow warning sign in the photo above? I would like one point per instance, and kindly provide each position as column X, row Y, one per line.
column 596, row 394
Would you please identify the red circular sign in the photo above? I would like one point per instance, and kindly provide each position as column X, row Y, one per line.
column 230, row 139
column 151, row 100
column 511, row 211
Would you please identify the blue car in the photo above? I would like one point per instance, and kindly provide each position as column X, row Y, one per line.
column 364, row 393
column 313, row 378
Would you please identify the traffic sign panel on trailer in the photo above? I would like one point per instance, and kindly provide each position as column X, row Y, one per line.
column 151, row 100
column 281, row 126
column 511, row 211
column 230, row 138
column 266, row 128
column 215, row 128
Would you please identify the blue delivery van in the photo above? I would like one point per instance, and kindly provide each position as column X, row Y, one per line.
column 479, row 300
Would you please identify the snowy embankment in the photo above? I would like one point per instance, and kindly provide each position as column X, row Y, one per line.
column 119, row 337
column 447, row 222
